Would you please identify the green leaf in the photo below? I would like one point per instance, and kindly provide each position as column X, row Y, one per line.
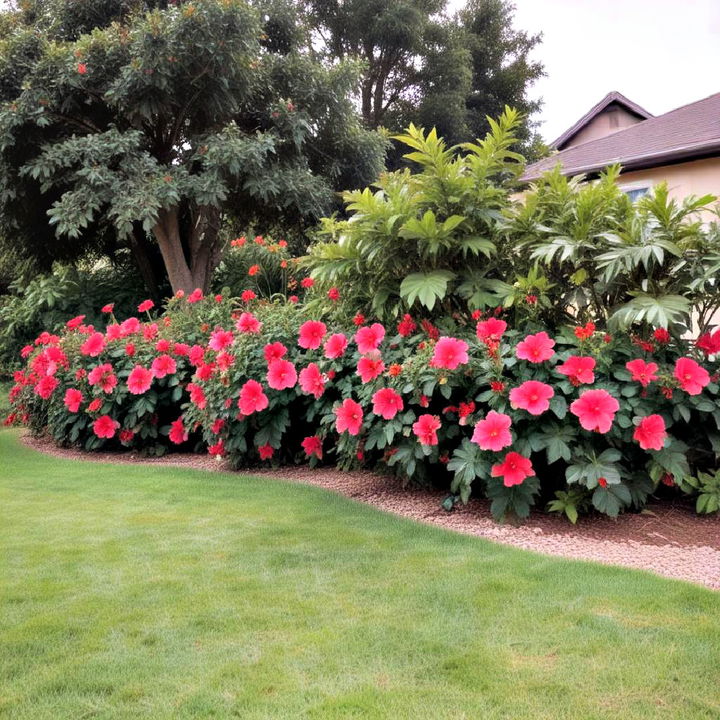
column 428, row 288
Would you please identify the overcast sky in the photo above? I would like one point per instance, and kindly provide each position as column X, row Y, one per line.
column 659, row 53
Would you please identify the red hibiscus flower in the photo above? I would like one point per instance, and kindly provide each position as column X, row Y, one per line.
column 595, row 409
column 266, row 451
column 387, row 403
column 146, row 306
column 491, row 330
column 335, row 346
column 449, row 353
column 493, row 433
column 334, row 294
column 313, row 446
column 536, row 348
column 181, row 349
column 533, row 396
column 359, row 319
column 103, row 376
column 220, row 339
column 312, row 333
column 248, row 323
column 274, row 351
column 73, row 399
column 108, row 308
column 349, row 416
column 197, row 396
column 95, row 405
column 406, row 326
column 307, row 282
column 94, row 345
column 513, row 470
column 105, row 426
column 709, row 344
column 641, row 371
column 585, row 332
column 196, row 355
column 82, row 68
column 217, row 450
column 426, row 427
column 497, row 387
column 130, row 326
column 369, row 367
column 650, row 433
column 247, row 295
column 281, row 374
column 178, row 435
column 162, row 345
column 578, row 369
column 312, row 381
column 195, row 296
column 163, row 365
column 369, row 337
column 691, row 376
column 126, row 436
column 46, row 387
column 662, row 336
column 139, row 380
column 75, row 322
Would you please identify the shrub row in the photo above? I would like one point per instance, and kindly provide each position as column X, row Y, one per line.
column 577, row 418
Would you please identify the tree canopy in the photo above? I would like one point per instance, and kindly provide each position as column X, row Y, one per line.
column 146, row 124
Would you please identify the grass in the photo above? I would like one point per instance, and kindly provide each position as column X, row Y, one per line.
column 130, row 592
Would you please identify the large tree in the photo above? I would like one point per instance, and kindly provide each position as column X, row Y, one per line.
column 147, row 124
column 424, row 66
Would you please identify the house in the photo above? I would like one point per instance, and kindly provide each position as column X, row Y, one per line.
column 680, row 147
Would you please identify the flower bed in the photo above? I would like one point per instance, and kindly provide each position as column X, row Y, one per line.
column 576, row 417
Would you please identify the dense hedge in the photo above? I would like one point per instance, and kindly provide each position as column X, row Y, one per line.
column 576, row 417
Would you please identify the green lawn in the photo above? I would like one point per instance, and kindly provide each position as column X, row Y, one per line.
column 129, row 592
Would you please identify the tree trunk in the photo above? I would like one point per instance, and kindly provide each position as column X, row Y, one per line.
column 203, row 249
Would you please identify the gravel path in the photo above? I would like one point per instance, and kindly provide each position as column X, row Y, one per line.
column 669, row 540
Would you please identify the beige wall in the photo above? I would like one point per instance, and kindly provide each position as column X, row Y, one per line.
column 699, row 177
column 607, row 122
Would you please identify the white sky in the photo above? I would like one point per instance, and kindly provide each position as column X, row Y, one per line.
column 659, row 53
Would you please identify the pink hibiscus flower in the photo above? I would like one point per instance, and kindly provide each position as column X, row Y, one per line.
column 370, row 367
column 163, row 365
column 493, row 432
column 312, row 333
column 248, row 323
column 449, row 353
column 146, row 306
column 94, row 345
column 691, row 376
column 281, row 374
column 266, row 451
column 387, row 403
column 349, row 417
column 312, row 381
column 139, row 380
column 533, row 396
column 369, row 337
column 536, row 348
column 579, row 370
column 426, row 427
column 46, row 387
column 105, row 426
column 220, row 339
column 274, row 351
column 73, row 399
column 103, row 376
column 596, row 410
column 641, row 371
column 650, row 433
column 252, row 398
column 513, row 470
column 335, row 346
column 197, row 396
column 491, row 330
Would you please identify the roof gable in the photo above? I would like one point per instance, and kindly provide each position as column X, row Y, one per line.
column 612, row 98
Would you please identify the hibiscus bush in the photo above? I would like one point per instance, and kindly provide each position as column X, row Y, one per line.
column 572, row 419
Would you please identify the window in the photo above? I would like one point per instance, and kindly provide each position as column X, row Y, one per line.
column 635, row 193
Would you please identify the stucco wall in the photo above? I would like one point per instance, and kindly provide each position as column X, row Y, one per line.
column 699, row 177
column 607, row 122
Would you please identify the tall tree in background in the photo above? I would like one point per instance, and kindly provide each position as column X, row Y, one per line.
column 423, row 66
column 147, row 124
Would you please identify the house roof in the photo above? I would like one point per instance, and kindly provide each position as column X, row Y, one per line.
column 611, row 98
column 688, row 132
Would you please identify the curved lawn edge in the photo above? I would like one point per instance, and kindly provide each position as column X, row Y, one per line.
column 671, row 541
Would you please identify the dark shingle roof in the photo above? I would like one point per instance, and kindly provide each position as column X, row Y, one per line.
column 681, row 134
column 611, row 98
